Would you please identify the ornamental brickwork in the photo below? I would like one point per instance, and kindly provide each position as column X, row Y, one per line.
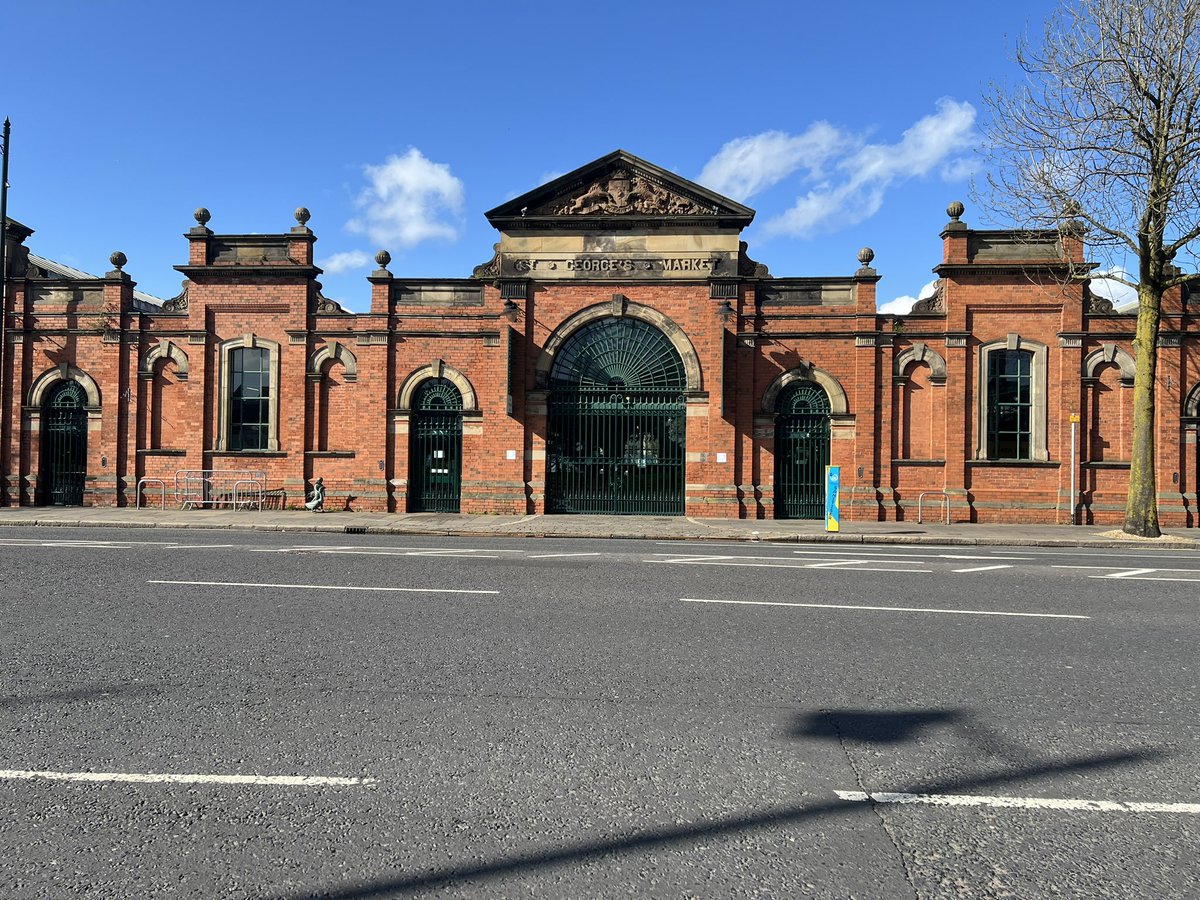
column 620, row 352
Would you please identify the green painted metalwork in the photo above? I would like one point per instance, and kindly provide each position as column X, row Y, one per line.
column 617, row 422
column 802, row 433
column 64, row 445
column 435, row 454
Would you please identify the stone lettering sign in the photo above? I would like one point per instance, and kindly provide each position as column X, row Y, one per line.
column 594, row 265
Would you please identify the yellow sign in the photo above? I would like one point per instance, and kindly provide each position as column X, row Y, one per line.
column 1074, row 417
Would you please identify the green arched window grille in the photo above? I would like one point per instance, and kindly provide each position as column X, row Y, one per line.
column 618, row 353
column 437, row 393
column 617, row 422
column 803, row 398
column 64, row 444
column 802, row 432
column 435, row 453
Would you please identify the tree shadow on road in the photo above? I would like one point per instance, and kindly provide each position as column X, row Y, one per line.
column 868, row 727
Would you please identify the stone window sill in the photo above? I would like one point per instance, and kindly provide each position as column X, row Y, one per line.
column 918, row 462
column 1106, row 464
column 249, row 453
column 162, row 451
column 329, row 454
column 1015, row 463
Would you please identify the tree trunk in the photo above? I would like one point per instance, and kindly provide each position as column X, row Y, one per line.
column 1141, row 506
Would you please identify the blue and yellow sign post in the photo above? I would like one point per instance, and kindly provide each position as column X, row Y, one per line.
column 833, row 490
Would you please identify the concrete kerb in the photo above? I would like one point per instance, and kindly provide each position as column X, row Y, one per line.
column 707, row 532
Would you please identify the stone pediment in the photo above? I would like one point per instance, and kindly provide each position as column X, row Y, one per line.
column 617, row 191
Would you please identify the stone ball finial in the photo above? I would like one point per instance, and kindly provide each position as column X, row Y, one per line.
column 383, row 258
column 118, row 259
column 302, row 215
column 865, row 255
column 202, row 215
column 955, row 210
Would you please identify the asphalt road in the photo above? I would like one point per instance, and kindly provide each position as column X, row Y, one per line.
column 209, row 714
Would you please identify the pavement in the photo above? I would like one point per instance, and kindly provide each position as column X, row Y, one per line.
column 680, row 528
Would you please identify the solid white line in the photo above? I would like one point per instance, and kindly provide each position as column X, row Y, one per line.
column 779, row 565
column 1127, row 572
column 982, row 568
column 1191, row 809
column 159, row 778
column 1147, row 578
column 556, row 555
column 913, row 609
column 318, row 587
column 1130, row 573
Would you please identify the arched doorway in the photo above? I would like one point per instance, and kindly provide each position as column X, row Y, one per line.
column 801, row 450
column 64, row 444
column 435, row 453
column 617, row 422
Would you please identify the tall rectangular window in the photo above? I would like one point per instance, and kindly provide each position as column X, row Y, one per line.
column 1009, row 404
column 249, row 398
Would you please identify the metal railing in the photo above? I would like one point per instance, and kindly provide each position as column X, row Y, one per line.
column 921, row 497
column 142, row 484
column 215, row 488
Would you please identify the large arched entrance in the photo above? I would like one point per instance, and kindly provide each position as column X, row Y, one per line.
column 617, row 422
column 802, row 430
column 435, row 454
column 64, row 444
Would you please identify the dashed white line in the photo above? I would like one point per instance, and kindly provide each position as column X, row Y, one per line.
column 729, row 561
column 982, row 568
column 903, row 609
column 318, row 587
column 166, row 778
column 1070, row 805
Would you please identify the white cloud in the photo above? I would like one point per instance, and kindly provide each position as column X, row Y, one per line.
column 846, row 177
column 1123, row 296
column 549, row 177
column 902, row 306
column 344, row 262
column 408, row 199
column 747, row 165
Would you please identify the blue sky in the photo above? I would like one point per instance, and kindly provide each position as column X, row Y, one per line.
column 399, row 125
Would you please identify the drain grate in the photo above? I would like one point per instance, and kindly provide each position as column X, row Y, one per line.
column 355, row 529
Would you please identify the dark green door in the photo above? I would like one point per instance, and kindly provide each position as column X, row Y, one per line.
column 801, row 451
column 436, row 449
column 617, row 422
column 64, row 445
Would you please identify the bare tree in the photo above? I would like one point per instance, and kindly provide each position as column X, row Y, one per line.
column 1103, row 134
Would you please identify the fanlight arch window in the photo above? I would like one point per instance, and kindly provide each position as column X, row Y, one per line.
column 618, row 354
column 437, row 394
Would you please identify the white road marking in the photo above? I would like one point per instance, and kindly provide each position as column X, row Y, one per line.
column 729, row 561
column 1149, row 578
column 556, row 555
column 1191, row 809
column 982, row 568
column 912, row 609
column 878, row 555
column 202, row 546
column 163, row 778
column 319, row 587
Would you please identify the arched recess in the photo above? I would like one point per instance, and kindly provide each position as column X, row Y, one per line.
column 64, row 372
column 334, row 351
column 838, row 405
column 166, row 350
column 332, row 425
column 620, row 307
column 438, row 369
column 1110, row 353
column 921, row 352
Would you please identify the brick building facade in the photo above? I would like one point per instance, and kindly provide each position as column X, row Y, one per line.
column 620, row 352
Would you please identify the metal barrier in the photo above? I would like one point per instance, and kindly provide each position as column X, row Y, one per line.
column 145, row 482
column 921, row 496
column 214, row 488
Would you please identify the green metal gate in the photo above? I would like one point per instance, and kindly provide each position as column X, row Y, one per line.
column 617, row 422
column 801, row 451
column 435, row 453
column 64, row 445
